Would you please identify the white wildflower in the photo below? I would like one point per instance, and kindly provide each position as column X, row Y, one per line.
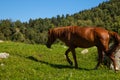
column 4, row 55
column 1, row 64
column 84, row 51
column 1, row 41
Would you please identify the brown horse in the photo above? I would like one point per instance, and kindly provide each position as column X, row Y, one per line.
column 85, row 37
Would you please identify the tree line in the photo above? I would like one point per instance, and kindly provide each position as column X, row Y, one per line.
column 106, row 14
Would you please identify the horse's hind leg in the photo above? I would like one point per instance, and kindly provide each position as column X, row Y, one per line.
column 112, row 57
column 66, row 53
column 100, row 57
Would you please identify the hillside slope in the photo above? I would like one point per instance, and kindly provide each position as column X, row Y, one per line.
column 36, row 62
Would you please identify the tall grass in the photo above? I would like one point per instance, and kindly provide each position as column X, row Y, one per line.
column 36, row 62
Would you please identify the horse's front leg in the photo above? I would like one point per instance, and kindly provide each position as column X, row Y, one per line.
column 112, row 57
column 74, row 57
column 66, row 53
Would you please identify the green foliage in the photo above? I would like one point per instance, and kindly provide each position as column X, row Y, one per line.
column 36, row 62
column 18, row 36
column 106, row 14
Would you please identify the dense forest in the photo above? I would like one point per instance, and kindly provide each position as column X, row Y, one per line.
column 106, row 14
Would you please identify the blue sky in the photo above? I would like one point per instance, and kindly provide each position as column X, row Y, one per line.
column 23, row 10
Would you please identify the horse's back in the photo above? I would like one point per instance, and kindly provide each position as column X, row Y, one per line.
column 88, row 36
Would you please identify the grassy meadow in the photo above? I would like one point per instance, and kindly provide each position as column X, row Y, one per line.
column 36, row 62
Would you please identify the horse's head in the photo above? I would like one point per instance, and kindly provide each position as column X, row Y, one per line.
column 51, row 38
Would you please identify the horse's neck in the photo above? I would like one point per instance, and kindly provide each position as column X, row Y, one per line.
column 58, row 34
column 63, row 34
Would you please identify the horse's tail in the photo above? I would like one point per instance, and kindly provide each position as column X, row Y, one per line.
column 116, row 38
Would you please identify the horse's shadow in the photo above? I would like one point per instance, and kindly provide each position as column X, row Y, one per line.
column 59, row 66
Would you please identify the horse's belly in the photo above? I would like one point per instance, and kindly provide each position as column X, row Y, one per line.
column 79, row 43
column 84, row 44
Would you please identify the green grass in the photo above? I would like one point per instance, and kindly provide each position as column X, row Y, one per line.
column 36, row 62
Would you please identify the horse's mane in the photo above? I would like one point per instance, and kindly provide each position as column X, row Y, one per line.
column 62, row 32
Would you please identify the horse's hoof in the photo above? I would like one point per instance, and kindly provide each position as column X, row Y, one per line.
column 76, row 67
column 71, row 63
column 117, row 69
